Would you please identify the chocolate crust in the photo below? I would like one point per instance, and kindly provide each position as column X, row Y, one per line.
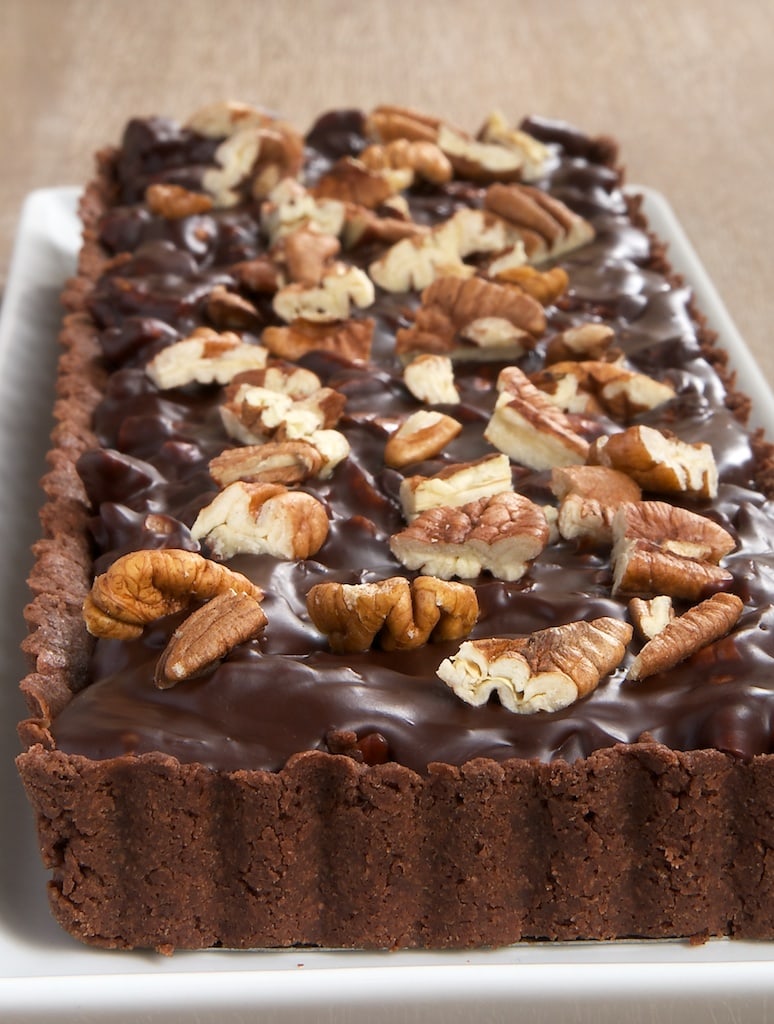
column 636, row 840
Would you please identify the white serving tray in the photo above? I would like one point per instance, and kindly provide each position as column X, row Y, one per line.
column 45, row 975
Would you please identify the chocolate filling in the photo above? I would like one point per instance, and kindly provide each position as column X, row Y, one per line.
column 287, row 692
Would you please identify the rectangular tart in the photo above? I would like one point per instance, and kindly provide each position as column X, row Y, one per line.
column 406, row 569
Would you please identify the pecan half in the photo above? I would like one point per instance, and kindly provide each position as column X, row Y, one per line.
column 395, row 613
column 546, row 671
column 424, row 159
column 687, row 634
column 497, row 321
column 501, row 534
column 207, row 635
column 545, row 224
column 146, row 585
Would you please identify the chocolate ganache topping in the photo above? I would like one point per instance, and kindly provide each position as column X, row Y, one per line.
column 287, row 692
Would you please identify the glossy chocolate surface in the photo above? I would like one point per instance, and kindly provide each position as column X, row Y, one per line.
column 287, row 692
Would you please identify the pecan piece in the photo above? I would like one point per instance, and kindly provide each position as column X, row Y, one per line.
column 430, row 379
column 664, row 549
column 340, row 288
column 586, row 341
column 456, row 484
column 350, row 339
column 688, row 633
column 290, row 207
column 262, row 518
column 281, row 462
column 206, row 357
column 416, row 261
column 496, row 320
column 208, row 635
column 275, row 402
column 306, row 253
column 659, row 461
column 545, row 671
column 590, row 497
column 228, row 310
column 501, row 534
column 529, row 428
column 592, row 385
column 395, row 613
column 352, row 181
column 543, row 285
column 389, row 121
column 424, row 159
column 146, row 585
column 422, row 435
column 650, row 616
column 175, row 202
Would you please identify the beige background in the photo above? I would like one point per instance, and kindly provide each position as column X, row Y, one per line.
column 687, row 87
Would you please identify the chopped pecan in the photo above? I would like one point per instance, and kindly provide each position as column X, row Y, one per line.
column 253, row 414
column 477, row 159
column 290, row 207
column 395, row 613
column 388, row 121
column 282, row 462
column 231, row 311
column 175, row 202
column 534, row 155
column 496, row 321
column 350, row 339
column 262, row 518
column 306, row 253
column 685, row 635
column 416, row 261
column 543, row 285
column 546, row 671
column 390, row 226
column 430, row 379
column 224, row 117
column 146, row 585
column 590, row 497
column 424, row 159
column 256, row 153
column 207, row 635
column 340, row 288
column 529, row 429
column 456, row 484
column 206, row 357
column 422, row 435
column 589, row 385
column 260, row 274
column 587, row 341
column 651, row 615
column 664, row 549
column 659, row 461
column 501, row 534
column 352, row 181
column 546, row 225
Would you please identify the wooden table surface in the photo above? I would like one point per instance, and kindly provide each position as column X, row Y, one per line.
column 687, row 88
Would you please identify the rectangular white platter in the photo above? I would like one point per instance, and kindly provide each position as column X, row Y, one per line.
column 46, row 976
